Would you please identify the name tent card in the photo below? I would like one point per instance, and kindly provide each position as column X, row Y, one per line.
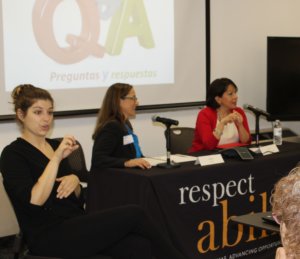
column 269, row 149
column 209, row 160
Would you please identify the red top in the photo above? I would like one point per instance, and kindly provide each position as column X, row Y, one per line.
column 204, row 138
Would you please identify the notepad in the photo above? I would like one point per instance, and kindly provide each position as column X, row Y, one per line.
column 176, row 158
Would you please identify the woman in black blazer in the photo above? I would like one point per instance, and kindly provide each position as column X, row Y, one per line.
column 115, row 144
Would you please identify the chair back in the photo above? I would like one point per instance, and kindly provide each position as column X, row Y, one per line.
column 77, row 163
column 181, row 139
column 8, row 222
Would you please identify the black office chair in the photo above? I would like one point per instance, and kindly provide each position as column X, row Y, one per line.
column 77, row 163
column 181, row 139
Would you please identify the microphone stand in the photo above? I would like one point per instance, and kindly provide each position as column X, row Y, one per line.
column 257, row 129
column 169, row 163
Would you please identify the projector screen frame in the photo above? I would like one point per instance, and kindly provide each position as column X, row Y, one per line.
column 84, row 112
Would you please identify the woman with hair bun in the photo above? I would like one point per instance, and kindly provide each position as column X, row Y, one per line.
column 48, row 201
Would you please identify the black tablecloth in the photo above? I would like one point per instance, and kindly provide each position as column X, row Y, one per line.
column 193, row 204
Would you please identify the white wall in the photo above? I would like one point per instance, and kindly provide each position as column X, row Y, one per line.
column 239, row 31
column 238, row 46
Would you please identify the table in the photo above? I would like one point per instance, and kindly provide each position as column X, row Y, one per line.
column 194, row 205
column 255, row 220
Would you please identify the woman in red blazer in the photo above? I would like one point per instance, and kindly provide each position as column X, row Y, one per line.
column 221, row 122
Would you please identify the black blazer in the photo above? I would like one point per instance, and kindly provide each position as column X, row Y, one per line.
column 109, row 149
column 21, row 165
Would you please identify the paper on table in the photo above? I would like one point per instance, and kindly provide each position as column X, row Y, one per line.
column 209, row 160
column 255, row 150
column 177, row 158
column 269, row 149
column 154, row 161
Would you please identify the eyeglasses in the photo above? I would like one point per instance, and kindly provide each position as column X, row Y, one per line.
column 133, row 98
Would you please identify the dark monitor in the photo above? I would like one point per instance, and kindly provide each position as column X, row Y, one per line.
column 283, row 78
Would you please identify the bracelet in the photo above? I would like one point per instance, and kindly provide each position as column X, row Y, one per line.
column 218, row 132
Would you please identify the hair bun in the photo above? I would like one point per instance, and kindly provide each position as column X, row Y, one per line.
column 19, row 90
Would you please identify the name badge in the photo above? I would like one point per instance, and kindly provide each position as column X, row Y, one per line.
column 127, row 140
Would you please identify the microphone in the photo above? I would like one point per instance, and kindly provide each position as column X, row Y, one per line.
column 164, row 120
column 256, row 110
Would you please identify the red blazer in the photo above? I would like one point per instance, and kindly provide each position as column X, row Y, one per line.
column 206, row 123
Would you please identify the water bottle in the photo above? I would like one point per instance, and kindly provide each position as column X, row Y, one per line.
column 277, row 133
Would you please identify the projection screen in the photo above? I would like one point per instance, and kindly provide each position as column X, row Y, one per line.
column 78, row 48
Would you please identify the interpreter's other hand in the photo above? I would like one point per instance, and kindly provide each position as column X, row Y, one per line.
column 280, row 253
column 66, row 147
column 138, row 162
column 67, row 185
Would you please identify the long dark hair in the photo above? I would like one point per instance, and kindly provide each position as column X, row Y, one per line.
column 217, row 88
column 110, row 109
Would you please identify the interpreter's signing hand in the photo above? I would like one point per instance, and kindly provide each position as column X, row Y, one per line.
column 280, row 253
column 67, row 185
column 138, row 162
column 66, row 147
